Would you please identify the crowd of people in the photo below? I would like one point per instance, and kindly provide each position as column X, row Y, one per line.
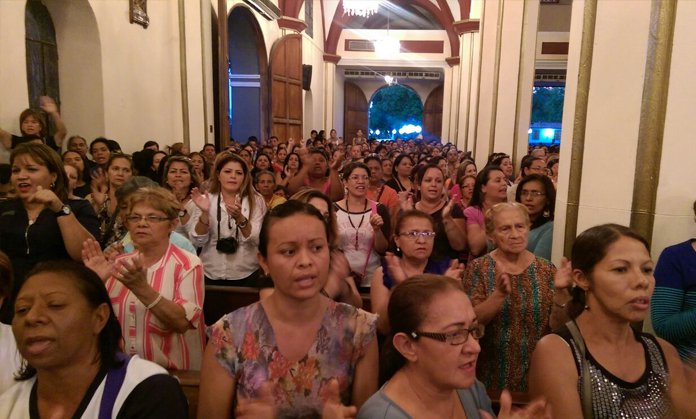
column 105, row 258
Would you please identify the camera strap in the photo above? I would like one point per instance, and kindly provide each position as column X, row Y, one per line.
column 219, row 217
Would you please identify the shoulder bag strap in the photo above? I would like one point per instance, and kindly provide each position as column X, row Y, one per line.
column 114, row 381
column 586, row 390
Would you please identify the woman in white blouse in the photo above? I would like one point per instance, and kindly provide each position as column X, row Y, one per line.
column 226, row 224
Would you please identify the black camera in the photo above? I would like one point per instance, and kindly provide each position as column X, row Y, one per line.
column 227, row 245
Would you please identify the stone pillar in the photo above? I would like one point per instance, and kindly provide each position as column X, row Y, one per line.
column 628, row 108
column 450, row 100
column 508, row 36
column 467, row 94
column 330, row 61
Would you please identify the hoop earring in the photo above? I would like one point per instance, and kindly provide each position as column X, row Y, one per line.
column 546, row 213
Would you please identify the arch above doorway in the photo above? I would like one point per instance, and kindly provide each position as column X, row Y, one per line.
column 247, row 75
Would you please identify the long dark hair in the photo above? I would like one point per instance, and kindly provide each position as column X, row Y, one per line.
column 93, row 290
column 589, row 248
column 550, row 194
column 407, row 310
column 482, row 179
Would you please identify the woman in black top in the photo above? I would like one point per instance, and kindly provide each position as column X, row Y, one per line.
column 41, row 223
column 33, row 128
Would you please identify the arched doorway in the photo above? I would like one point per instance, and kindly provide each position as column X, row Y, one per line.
column 286, row 87
column 355, row 111
column 81, row 85
column 247, row 75
column 395, row 111
column 432, row 114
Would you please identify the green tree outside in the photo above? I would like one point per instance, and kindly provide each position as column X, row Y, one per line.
column 393, row 107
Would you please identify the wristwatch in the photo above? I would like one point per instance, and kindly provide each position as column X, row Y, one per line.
column 64, row 210
column 243, row 223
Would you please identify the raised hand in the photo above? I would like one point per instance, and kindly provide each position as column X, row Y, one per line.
column 396, row 271
column 46, row 197
column 536, row 409
column 376, row 221
column 99, row 187
column 339, row 265
column 447, row 210
column 114, row 250
column 202, row 200
column 333, row 409
column 564, row 275
column 405, row 200
column 502, row 281
column 262, row 407
column 130, row 272
column 455, row 270
column 338, row 161
column 94, row 259
column 47, row 104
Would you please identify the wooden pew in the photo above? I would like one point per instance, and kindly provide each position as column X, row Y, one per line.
column 189, row 382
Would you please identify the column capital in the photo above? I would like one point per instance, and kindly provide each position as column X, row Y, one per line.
column 331, row 58
column 452, row 61
column 466, row 26
column 287, row 22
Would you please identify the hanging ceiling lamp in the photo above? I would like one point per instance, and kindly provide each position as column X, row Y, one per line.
column 362, row 8
column 387, row 47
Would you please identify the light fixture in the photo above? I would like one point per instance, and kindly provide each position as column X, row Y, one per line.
column 362, row 8
column 387, row 47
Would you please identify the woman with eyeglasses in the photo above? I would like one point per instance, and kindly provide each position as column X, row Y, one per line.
column 414, row 237
column 430, row 357
column 157, row 291
column 448, row 218
column 363, row 224
column 537, row 193
column 515, row 295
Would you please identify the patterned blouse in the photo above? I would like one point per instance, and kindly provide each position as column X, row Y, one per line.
column 246, row 347
column 523, row 319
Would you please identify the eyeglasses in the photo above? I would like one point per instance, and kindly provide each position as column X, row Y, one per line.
column 415, row 234
column 356, row 178
column 458, row 337
column 150, row 219
column 533, row 194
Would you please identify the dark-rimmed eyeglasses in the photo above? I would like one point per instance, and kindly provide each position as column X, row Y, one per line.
column 457, row 337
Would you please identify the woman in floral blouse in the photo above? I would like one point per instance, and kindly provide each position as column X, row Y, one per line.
column 295, row 353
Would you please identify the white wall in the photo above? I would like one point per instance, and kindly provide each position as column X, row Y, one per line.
column 13, row 78
column 674, row 216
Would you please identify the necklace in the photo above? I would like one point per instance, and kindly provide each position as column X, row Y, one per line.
column 362, row 218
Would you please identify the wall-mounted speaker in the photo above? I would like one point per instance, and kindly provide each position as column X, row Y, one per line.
column 306, row 76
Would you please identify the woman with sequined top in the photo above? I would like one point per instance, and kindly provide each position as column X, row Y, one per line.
column 631, row 374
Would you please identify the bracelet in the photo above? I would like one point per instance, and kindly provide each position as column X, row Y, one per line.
column 154, row 303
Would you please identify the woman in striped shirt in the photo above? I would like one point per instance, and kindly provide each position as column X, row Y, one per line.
column 157, row 291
